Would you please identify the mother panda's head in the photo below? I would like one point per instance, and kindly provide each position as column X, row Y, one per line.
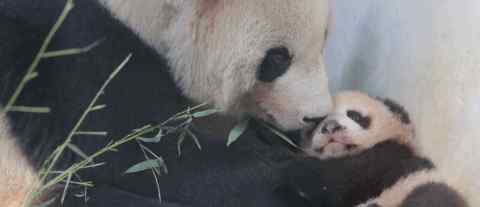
column 261, row 58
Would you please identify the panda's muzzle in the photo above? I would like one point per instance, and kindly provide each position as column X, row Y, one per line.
column 314, row 123
column 314, row 120
column 331, row 127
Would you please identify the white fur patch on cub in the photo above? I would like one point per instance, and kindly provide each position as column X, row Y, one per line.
column 215, row 47
column 17, row 178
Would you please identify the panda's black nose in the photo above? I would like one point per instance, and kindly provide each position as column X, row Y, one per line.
column 331, row 127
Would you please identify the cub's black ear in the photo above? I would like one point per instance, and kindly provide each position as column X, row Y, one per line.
column 396, row 109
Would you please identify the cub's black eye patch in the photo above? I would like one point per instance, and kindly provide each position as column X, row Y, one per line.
column 354, row 115
column 363, row 121
column 275, row 64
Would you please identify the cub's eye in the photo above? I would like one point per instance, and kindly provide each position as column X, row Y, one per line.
column 275, row 64
column 354, row 115
column 363, row 121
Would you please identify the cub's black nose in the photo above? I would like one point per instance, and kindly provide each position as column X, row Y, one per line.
column 331, row 127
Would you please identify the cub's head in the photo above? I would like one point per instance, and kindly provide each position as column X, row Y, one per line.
column 246, row 57
column 358, row 122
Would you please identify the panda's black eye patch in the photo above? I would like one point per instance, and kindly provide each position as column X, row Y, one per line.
column 363, row 121
column 276, row 62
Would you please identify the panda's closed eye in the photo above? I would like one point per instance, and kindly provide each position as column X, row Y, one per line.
column 363, row 121
column 276, row 62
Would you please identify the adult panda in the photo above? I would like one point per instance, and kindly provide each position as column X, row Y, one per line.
column 364, row 154
column 261, row 59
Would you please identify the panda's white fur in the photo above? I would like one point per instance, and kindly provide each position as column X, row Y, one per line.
column 17, row 178
column 214, row 48
column 385, row 125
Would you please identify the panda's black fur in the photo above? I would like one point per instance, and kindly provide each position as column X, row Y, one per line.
column 434, row 194
column 242, row 175
column 351, row 180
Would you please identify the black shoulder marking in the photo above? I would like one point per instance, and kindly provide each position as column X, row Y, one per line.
column 351, row 180
column 434, row 194
column 396, row 109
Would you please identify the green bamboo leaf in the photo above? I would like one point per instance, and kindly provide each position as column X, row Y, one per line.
column 98, row 107
column 31, row 76
column 91, row 133
column 72, row 51
column 180, row 143
column 48, row 203
column 78, row 151
column 205, row 113
column 30, row 109
column 156, row 139
column 94, row 165
column 65, row 189
column 142, row 128
column 282, row 136
column 146, row 165
column 194, row 137
column 237, row 131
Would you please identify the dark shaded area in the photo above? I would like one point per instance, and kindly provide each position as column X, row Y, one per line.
column 351, row 180
column 434, row 194
column 108, row 196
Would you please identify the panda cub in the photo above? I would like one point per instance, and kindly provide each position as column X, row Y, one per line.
column 357, row 123
column 364, row 155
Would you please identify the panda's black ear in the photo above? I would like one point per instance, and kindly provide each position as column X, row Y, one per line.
column 396, row 109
